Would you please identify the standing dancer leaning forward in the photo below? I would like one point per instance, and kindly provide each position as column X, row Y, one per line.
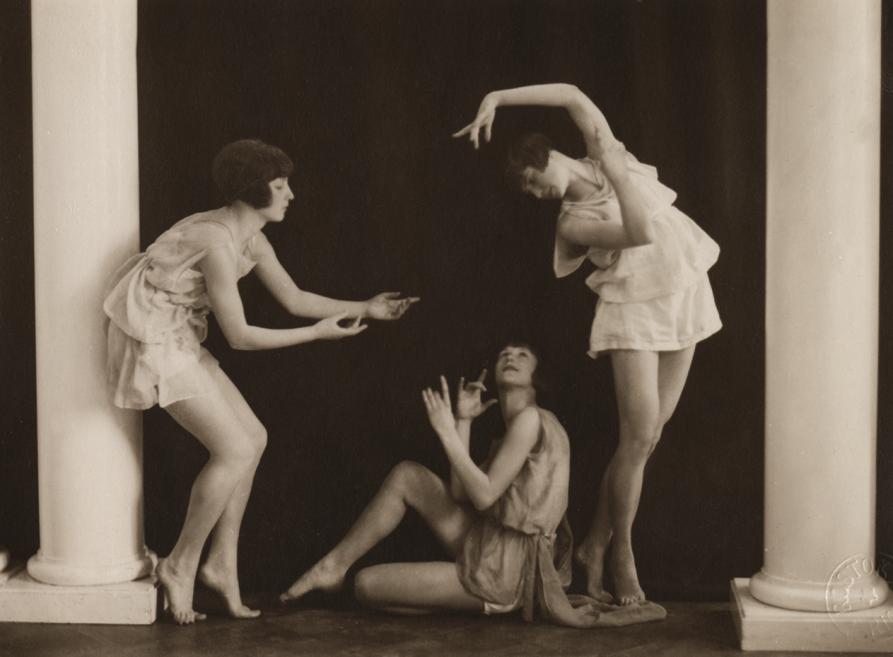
column 158, row 307
column 503, row 521
column 655, row 300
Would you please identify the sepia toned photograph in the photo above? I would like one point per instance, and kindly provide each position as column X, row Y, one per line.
column 455, row 327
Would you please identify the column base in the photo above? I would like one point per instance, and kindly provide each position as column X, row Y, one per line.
column 763, row 627
column 64, row 573
column 25, row 600
column 853, row 586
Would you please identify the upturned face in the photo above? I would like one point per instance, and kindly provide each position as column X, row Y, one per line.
column 515, row 367
column 550, row 183
column 280, row 196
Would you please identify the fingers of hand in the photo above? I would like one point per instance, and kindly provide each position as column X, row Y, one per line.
column 445, row 389
column 464, row 131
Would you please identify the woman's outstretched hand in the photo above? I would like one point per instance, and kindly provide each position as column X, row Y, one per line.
column 388, row 305
column 438, row 406
column 330, row 329
column 468, row 398
column 484, row 119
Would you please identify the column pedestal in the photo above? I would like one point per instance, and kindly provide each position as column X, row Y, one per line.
column 765, row 627
column 25, row 600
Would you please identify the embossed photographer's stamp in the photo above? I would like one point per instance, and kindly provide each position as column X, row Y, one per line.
column 855, row 585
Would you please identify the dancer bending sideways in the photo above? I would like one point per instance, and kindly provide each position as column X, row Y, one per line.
column 157, row 308
column 654, row 298
column 503, row 521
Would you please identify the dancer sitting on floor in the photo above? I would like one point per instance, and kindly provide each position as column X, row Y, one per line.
column 504, row 522
column 655, row 300
column 158, row 307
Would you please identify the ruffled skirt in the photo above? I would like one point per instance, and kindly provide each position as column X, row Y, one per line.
column 142, row 374
column 666, row 323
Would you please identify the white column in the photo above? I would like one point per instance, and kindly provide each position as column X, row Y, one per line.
column 822, row 241
column 86, row 221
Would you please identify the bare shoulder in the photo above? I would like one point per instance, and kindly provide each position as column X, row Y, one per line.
column 261, row 246
column 525, row 423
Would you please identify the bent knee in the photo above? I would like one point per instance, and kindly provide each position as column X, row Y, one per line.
column 640, row 440
column 410, row 476
column 239, row 455
column 365, row 586
column 259, row 439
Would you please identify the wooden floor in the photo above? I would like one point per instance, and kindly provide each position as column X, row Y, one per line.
column 691, row 630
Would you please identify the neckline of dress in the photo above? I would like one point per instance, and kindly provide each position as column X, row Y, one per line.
column 232, row 235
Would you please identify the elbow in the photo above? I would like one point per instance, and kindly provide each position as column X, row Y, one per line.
column 573, row 96
column 572, row 90
column 641, row 237
column 483, row 502
column 642, row 240
column 239, row 342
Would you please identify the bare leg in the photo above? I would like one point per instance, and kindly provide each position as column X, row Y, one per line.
column 635, row 378
column 220, row 571
column 591, row 552
column 673, row 368
column 232, row 454
column 409, row 485
column 412, row 588
column 672, row 373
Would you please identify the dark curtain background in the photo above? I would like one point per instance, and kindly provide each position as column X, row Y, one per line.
column 364, row 96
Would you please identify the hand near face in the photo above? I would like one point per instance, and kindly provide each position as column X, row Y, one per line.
column 468, row 398
column 438, row 406
column 388, row 306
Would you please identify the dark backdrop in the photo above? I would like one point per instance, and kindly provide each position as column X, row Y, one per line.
column 364, row 96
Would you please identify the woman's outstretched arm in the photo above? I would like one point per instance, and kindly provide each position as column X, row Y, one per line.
column 588, row 118
column 384, row 306
column 222, row 283
column 483, row 488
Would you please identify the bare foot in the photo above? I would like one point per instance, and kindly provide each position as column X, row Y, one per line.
column 593, row 562
column 326, row 576
column 225, row 582
column 178, row 591
column 626, row 579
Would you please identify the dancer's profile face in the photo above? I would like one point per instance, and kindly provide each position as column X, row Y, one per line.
column 550, row 183
column 515, row 366
column 280, row 196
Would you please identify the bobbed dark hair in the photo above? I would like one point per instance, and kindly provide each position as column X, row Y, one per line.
column 243, row 169
column 529, row 150
column 540, row 378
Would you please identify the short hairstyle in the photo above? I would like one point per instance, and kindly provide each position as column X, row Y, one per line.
column 530, row 150
column 539, row 378
column 243, row 169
